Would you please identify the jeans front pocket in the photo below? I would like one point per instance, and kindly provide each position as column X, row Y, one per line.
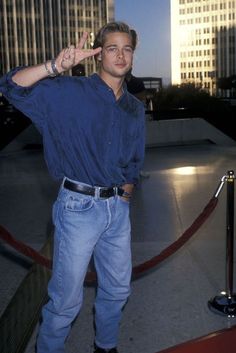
column 79, row 203
column 123, row 200
column 76, row 210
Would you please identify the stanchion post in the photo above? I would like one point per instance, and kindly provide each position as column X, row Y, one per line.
column 225, row 303
column 230, row 235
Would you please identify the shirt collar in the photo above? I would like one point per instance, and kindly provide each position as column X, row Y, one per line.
column 98, row 81
column 124, row 102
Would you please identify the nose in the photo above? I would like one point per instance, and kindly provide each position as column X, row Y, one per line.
column 120, row 53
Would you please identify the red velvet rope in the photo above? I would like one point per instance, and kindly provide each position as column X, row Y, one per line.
column 24, row 249
column 137, row 270
column 171, row 249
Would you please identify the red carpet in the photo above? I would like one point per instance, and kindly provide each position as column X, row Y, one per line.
column 223, row 341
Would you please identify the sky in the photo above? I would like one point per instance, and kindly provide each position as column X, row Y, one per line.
column 151, row 20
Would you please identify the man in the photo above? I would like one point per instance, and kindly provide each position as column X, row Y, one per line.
column 136, row 86
column 93, row 133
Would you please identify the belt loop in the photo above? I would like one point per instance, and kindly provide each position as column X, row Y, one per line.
column 62, row 183
column 97, row 192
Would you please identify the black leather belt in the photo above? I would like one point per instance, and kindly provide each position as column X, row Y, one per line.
column 92, row 191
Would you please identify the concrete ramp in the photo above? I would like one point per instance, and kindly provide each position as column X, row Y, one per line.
column 184, row 131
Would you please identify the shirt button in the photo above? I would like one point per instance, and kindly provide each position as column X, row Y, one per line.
column 109, row 142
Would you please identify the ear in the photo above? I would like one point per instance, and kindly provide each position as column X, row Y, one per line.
column 99, row 57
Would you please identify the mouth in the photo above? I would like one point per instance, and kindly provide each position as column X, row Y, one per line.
column 120, row 65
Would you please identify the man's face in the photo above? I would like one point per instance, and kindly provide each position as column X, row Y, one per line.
column 116, row 55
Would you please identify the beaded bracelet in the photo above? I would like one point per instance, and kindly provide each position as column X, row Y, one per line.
column 127, row 194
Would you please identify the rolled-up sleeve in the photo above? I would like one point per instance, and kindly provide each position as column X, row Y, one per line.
column 31, row 101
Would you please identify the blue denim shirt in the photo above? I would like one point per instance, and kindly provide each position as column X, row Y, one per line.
column 88, row 135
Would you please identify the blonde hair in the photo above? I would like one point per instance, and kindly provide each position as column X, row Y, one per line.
column 113, row 27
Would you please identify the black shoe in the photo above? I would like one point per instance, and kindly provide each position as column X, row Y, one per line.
column 103, row 350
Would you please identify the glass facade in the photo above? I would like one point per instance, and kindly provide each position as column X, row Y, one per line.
column 203, row 34
column 32, row 31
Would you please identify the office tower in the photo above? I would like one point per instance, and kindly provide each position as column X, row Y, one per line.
column 32, row 31
column 203, row 42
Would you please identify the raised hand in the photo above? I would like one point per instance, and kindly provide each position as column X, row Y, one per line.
column 66, row 59
column 72, row 56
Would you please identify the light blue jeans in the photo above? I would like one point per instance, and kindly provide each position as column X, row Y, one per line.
column 86, row 225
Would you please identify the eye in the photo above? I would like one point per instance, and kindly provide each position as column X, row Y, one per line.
column 112, row 50
column 128, row 50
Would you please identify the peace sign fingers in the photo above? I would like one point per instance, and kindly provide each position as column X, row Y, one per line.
column 82, row 41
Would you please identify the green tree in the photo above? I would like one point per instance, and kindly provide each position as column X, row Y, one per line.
column 188, row 101
column 193, row 99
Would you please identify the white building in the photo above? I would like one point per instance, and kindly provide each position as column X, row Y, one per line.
column 32, row 31
column 203, row 42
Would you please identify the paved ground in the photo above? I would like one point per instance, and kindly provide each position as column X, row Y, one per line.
column 169, row 305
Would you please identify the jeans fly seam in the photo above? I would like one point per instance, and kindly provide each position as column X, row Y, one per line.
column 109, row 214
